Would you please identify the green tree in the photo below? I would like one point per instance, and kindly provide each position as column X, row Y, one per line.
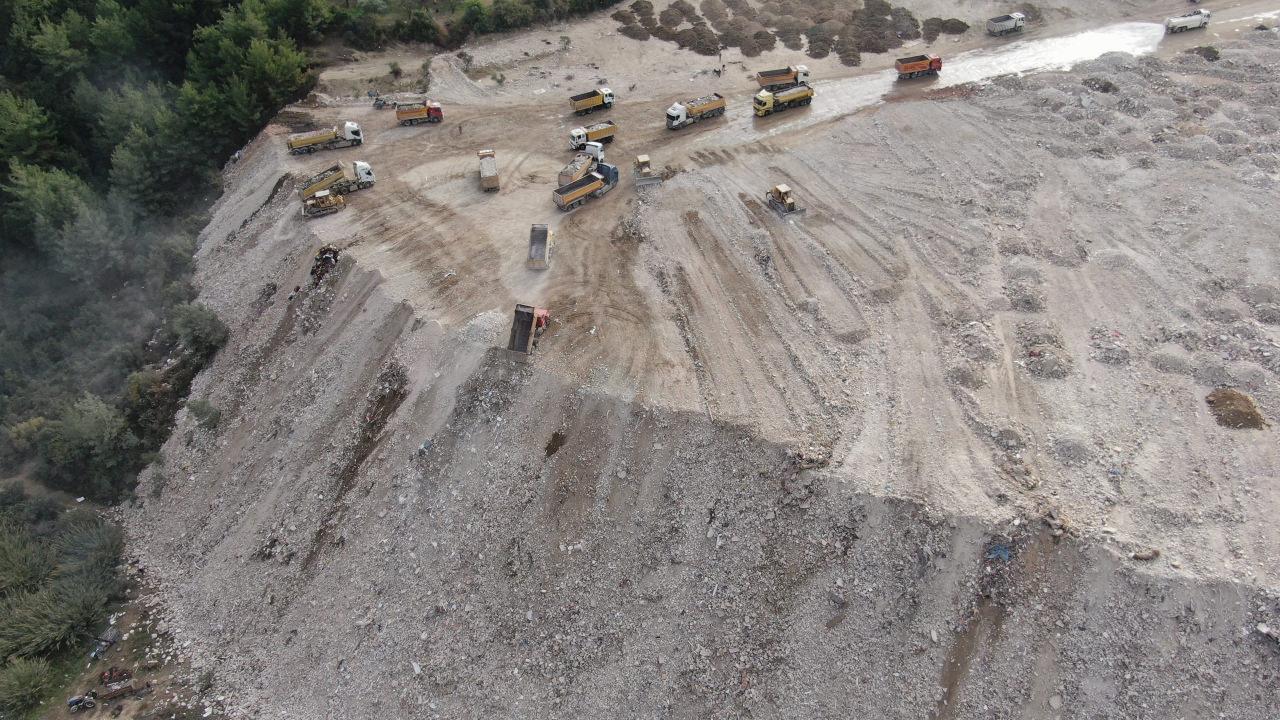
column 198, row 329
column 88, row 448
column 26, row 133
column 37, row 204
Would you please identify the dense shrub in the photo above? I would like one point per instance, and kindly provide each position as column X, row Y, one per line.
column 24, row 683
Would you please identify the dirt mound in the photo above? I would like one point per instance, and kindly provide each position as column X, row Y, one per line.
column 1234, row 409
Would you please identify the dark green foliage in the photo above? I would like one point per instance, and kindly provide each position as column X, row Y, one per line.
column 24, row 563
column 24, row 683
column 198, row 329
column 57, row 584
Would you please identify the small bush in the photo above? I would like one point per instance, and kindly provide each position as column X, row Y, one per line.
column 206, row 415
column 931, row 29
column 396, row 72
column 24, row 683
column 635, row 32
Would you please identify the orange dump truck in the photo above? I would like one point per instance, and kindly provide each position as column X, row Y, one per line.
column 419, row 112
column 917, row 66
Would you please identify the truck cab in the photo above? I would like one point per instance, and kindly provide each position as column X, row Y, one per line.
column 351, row 131
column 363, row 170
column 762, row 103
column 677, row 115
column 1198, row 18
column 594, row 149
column 606, row 97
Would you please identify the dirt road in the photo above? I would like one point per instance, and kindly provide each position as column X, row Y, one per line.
column 937, row 447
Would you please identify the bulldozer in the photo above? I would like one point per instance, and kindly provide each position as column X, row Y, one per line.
column 780, row 199
column 644, row 172
column 322, row 203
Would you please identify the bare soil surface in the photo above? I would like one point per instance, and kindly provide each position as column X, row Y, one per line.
column 938, row 447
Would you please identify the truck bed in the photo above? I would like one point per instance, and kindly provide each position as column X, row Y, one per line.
column 576, row 185
column 698, row 103
column 792, row 93
column 596, row 127
column 912, row 60
column 781, row 72
column 537, row 246
column 521, row 339
column 584, row 96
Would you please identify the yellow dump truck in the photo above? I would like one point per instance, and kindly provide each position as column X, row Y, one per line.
column 601, row 132
column 488, row 170
column 592, row 185
column 327, row 139
column 339, row 178
column 589, row 102
column 581, row 164
column 768, row 102
column 540, row 242
column 419, row 112
column 687, row 113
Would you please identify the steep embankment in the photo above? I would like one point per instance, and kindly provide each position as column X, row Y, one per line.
column 906, row 456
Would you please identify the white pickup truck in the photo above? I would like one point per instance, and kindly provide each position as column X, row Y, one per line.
column 1191, row 21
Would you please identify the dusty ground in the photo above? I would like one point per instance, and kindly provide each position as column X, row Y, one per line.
column 937, row 448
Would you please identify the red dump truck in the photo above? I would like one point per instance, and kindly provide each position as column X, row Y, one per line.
column 917, row 66
column 419, row 112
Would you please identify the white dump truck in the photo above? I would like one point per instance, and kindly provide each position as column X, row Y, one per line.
column 346, row 136
column 687, row 113
column 1005, row 24
column 1193, row 20
column 601, row 132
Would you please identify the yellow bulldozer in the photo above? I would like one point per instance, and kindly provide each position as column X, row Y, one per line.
column 780, row 199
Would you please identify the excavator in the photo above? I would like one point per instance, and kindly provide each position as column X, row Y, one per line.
column 779, row 198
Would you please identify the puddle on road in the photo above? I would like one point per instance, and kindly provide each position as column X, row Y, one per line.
column 839, row 97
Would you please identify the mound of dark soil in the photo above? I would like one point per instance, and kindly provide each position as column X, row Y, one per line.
column 1233, row 409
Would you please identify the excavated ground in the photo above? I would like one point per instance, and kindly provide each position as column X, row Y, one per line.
column 940, row 447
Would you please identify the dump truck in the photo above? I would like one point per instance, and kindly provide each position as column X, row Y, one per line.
column 526, row 327
column 780, row 199
column 322, row 203
column 594, row 184
column 768, row 102
column 589, row 102
column 782, row 78
column 582, row 163
column 644, row 172
column 341, row 178
column 1005, row 24
column 687, row 113
column 1191, row 21
column 327, row 139
column 539, row 248
column 488, row 170
column 601, row 132
column 917, row 66
column 419, row 112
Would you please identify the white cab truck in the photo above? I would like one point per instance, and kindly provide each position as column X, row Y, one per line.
column 687, row 113
column 601, row 132
column 346, row 136
column 1005, row 24
column 1193, row 20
